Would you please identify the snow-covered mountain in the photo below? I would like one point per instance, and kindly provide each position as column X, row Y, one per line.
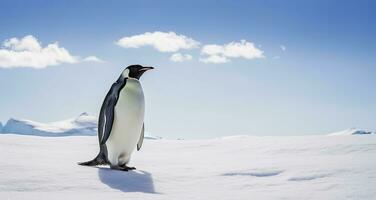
column 353, row 131
column 84, row 124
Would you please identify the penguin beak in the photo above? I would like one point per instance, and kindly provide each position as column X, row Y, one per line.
column 146, row 68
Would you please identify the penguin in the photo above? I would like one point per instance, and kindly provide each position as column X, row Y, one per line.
column 121, row 120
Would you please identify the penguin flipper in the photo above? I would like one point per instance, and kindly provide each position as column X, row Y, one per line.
column 106, row 116
column 141, row 140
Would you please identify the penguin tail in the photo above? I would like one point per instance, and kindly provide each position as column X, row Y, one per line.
column 99, row 160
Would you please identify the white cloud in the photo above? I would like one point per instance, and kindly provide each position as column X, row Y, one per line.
column 162, row 41
column 222, row 53
column 283, row 47
column 28, row 43
column 178, row 57
column 28, row 52
column 93, row 59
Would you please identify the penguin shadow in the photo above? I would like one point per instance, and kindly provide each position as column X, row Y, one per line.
column 127, row 181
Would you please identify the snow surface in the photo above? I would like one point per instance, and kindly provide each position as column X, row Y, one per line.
column 238, row 167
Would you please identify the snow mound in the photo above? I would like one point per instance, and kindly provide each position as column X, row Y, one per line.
column 84, row 124
column 352, row 131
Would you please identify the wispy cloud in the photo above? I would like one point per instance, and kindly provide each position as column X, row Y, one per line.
column 222, row 53
column 216, row 59
column 28, row 52
column 93, row 59
column 178, row 57
column 283, row 47
column 161, row 41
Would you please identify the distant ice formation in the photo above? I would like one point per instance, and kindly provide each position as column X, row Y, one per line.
column 353, row 131
column 84, row 124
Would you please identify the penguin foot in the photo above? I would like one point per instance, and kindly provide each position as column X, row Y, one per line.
column 122, row 168
column 126, row 168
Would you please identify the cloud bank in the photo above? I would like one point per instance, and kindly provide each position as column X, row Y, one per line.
column 222, row 53
column 28, row 52
column 161, row 41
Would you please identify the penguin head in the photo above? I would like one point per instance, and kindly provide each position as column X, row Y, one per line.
column 135, row 71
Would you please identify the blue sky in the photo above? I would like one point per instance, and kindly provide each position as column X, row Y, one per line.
column 322, row 82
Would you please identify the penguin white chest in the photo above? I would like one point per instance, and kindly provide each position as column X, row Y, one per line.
column 128, row 122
